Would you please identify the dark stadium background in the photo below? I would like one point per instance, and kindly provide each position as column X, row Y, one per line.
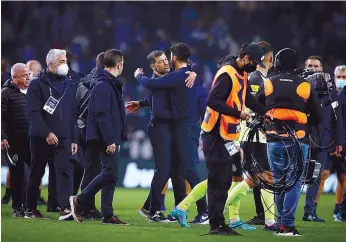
column 212, row 29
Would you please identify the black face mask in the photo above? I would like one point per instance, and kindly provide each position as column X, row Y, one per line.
column 249, row 68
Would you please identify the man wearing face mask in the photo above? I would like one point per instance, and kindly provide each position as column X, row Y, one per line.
column 106, row 130
column 14, row 132
column 52, row 205
column 221, row 126
column 52, row 114
column 340, row 82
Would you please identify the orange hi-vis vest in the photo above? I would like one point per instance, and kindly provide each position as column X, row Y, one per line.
column 229, row 126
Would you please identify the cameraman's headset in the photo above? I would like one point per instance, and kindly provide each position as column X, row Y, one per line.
column 277, row 62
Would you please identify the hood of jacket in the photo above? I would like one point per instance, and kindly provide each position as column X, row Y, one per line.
column 229, row 60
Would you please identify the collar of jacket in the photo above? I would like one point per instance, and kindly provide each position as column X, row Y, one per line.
column 9, row 83
column 47, row 76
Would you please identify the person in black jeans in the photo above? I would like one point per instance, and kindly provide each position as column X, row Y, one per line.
column 52, row 117
column 14, row 132
column 91, row 165
column 106, row 130
column 221, row 125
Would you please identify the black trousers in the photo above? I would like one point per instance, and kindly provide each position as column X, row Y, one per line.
column 21, row 149
column 160, row 135
column 41, row 153
column 104, row 181
column 92, row 163
column 219, row 165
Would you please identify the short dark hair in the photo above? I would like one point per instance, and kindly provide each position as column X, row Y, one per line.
column 315, row 57
column 69, row 58
column 113, row 57
column 181, row 51
column 100, row 59
column 265, row 46
column 153, row 55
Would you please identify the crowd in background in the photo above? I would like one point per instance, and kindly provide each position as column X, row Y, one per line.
column 212, row 29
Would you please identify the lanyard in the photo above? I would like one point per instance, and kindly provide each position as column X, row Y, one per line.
column 50, row 92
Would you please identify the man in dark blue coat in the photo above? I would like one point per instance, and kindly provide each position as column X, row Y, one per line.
column 106, row 130
column 91, row 167
column 324, row 136
column 185, row 115
column 161, row 136
column 52, row 118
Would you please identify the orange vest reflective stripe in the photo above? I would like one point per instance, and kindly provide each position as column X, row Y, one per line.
column 229, row 126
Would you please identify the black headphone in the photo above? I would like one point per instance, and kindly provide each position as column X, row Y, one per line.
column 277, row 62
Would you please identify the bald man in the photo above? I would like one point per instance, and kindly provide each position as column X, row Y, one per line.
column 14, row 131
column 35, row 68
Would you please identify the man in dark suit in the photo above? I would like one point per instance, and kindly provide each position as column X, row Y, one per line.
column 106, row 130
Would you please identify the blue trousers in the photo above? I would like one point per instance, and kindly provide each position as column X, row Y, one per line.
column 105, row 181
column 321, row 156
column 280, row 155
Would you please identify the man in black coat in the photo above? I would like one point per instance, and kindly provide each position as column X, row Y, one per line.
column 52, row 117
column 91, row 168
column 14, row 131
column 106, row 130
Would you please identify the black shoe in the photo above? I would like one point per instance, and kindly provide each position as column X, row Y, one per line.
column 288, row 231
column 275, row 227
column 171, row 218
column 53, row 209
column 66, row 215
column 95, row 214
column 41, row 201
column 256, row 221
column 113, row 220
column 6, row 199
column 34, row 214
column 201, row 218
column 225, row 231
column 18, row 213
column 158, row 217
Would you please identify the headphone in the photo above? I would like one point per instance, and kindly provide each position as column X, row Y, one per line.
column 277, row 62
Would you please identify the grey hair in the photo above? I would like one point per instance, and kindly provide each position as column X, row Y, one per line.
column 340, row 68
column 53, row 55
column 16, row 67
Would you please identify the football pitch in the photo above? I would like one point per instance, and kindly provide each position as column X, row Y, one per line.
column 126, row 203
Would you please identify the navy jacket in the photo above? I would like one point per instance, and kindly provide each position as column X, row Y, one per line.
column 183, row 99
column 63, row 121
column 106, row 110
column 328, row 130
column 342, row 120
column 159, row 104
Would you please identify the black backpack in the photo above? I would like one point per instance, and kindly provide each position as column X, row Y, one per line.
column 83, row 96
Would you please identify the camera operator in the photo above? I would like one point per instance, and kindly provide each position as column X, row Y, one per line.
column 321, row 136
column 292, row 101
column 326, row 141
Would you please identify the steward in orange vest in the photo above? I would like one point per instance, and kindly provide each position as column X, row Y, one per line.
column 225, row 103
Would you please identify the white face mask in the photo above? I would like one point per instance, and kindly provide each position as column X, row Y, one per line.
column 24, row 91
column 62, row 70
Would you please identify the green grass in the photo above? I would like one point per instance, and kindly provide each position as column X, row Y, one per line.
column 127, row 201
